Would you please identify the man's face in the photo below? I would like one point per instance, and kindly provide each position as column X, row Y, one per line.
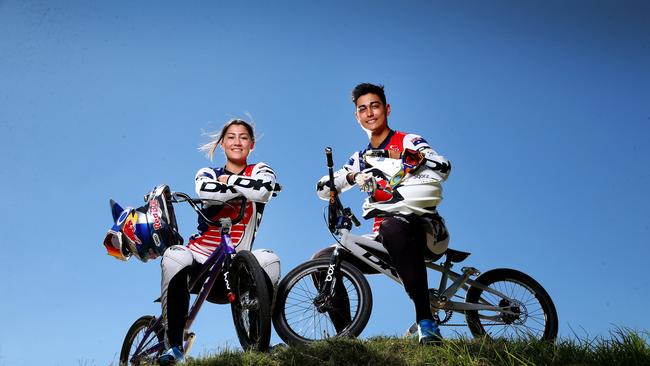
column 372, row 113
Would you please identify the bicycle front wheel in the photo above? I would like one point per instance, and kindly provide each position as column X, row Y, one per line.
column 137, row 346
column 251, row 310
column 302, row 314
column 526, row 312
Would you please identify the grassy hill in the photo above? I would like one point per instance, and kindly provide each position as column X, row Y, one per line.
column 622, row 348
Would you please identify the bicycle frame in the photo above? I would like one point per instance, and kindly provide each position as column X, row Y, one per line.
column 353, row 244
column 219, row 261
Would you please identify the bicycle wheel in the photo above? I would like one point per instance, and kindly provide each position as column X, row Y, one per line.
column 137, row 340
column 531, row 313
column 251, row 310
column 300, row 317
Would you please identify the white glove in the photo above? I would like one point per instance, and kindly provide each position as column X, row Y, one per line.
column 366, row 182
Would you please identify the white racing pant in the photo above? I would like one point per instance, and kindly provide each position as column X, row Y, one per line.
column 178, row 259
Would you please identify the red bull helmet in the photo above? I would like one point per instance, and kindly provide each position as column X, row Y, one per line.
column 144, row 232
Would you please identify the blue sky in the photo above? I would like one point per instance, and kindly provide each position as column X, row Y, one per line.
column 541, row 106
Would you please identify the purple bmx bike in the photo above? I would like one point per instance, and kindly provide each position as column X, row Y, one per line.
column 248, row 290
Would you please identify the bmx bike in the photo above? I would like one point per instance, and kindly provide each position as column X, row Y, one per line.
column 330, row 297
column 247, row 291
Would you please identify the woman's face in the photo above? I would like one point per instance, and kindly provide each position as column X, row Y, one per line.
column 237, row 143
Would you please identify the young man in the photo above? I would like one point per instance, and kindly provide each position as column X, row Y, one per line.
column 406, row 220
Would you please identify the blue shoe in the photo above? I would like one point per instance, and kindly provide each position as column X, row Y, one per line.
column 171, row 356
column 428, row 332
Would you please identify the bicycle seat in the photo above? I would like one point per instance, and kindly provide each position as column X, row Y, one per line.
column 456, row 256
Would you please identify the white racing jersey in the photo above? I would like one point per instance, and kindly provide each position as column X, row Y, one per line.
column 418, row 193
column 256, row 182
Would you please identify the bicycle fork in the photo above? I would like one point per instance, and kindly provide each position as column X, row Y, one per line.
column 327, row 290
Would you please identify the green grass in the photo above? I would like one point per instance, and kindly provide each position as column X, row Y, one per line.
column 623, row 347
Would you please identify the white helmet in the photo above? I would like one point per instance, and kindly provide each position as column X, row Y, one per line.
column 417, row 195
column 418, row 192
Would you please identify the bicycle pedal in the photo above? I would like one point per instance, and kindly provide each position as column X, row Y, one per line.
column 471, row 271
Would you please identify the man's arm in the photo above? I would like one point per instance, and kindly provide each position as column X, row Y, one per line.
column 343, row 178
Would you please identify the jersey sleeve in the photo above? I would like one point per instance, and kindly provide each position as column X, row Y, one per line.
column 258, row 187
column 208, row 187
column 434, row 161
column 340, row 177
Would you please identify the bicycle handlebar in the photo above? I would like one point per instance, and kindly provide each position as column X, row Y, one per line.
column 178, row 197
column 334, row 204
column 336, row 209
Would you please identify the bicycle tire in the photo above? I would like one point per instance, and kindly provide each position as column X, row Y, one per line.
column 295, row 303
column 131, row 340
column 536, row 319
column 251, row 310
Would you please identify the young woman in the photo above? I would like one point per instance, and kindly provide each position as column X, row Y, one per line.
column 256, row 182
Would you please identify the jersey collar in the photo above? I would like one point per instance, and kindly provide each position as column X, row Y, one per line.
column 226, row 171
column 384, row 143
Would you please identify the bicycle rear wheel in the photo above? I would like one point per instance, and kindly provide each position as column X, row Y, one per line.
column 301, row 316
column 251, row 310
column 530, row 311
column 137, row 340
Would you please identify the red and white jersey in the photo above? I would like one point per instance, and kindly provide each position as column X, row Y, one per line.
column 256, row 182
column 436, row 168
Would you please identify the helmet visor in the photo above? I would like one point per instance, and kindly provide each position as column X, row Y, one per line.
column 114, row 243
column 412, row 159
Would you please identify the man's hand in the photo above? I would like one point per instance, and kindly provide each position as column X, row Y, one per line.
column 366, row 182
column 223, row 178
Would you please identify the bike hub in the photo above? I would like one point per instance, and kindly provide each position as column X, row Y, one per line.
column 322, row 304
column 515, row 312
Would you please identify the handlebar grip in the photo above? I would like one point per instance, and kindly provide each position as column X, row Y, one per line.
column 355, row 221
column 328, row 153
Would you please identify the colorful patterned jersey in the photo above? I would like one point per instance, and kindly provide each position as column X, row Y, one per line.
column 256, row 182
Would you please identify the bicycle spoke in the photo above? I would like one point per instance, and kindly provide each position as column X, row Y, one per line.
column 301, row 312
column 525, row 319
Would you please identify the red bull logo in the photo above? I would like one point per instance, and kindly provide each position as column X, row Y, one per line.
column 129, row 228
column 153, row 210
